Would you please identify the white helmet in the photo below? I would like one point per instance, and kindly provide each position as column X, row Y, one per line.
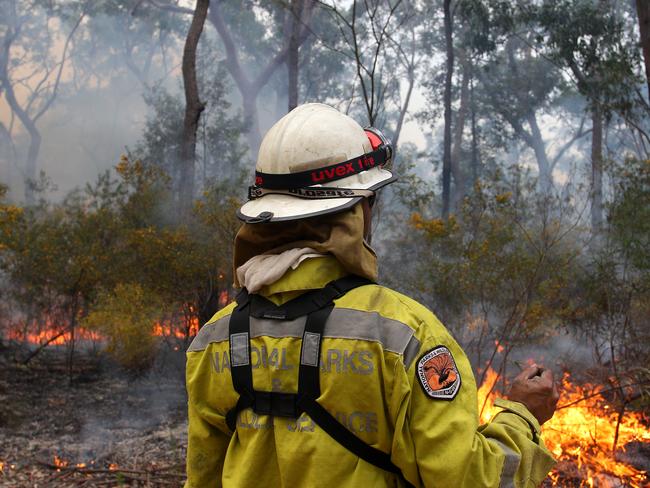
column 315, row 161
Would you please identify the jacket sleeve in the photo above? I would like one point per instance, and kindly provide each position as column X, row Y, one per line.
column 207, row 440
column 438, row 441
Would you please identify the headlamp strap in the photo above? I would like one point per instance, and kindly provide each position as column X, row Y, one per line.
column 318, row 176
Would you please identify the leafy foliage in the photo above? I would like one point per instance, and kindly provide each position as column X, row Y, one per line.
column 126, row 317
column 65, row 259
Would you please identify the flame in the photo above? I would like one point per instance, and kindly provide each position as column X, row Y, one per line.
column 583, row 433
column 59, row 463
column 168, row 329
column 112, row 467
column 51, row 331
column 2, row 467
column 487, row 395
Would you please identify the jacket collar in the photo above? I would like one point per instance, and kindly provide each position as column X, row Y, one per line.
column 311, row 274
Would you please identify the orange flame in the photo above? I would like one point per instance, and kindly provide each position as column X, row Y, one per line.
column 487, row 395
column 583, row 434
column 168, row 329
column 59, row 463
column 52, row 335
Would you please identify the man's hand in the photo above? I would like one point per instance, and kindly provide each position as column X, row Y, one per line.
column 535, row 388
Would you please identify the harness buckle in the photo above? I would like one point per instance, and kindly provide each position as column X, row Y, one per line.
column 276, row 404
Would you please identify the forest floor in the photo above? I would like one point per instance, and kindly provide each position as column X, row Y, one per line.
column 93, row 427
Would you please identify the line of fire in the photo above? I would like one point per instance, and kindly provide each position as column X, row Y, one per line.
column 598, row 436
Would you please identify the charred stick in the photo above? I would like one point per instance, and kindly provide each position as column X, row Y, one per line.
column 606, row 390
column 85, row 470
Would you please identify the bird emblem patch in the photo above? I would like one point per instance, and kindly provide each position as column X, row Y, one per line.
column 438, row 374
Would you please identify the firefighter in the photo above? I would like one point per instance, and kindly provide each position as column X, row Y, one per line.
column 318, row 377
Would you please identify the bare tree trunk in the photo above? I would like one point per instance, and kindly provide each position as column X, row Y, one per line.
column 294, row 45
column 459, row 127
column 193, row 108
column 48, row 91
column 28, row 124
column 643, row 13
column 404, row 108
column 446, row 157
column 34, row 140
column 31, row 161
column 475, row 151
column 251, row 118
column 71, row 344
column 250, row 88
column 539, row 147
column 597, row 169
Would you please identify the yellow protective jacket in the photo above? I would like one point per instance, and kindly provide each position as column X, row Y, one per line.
column 386, row 374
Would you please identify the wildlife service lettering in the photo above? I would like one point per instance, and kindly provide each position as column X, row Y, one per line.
column 340, row 361
column 356, row 422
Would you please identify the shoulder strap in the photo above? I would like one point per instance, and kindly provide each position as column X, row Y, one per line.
column 317, row 305
column 240, row 367
column 309, row 391
column 304, row 304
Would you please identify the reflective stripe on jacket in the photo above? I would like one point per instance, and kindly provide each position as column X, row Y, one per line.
column 373, row 341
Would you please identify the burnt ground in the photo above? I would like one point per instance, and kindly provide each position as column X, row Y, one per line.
column 126, row 431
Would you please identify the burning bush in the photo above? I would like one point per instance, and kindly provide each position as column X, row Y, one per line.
column 126, row 317
column 59, row 259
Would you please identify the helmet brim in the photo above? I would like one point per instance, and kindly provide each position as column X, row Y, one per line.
column 280, row 208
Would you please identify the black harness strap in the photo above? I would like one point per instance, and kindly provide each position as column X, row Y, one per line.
column 309, row 391
column 240, row 370
column 309, row 370
column 343, row 436
column 305, row 304
column 317, row 306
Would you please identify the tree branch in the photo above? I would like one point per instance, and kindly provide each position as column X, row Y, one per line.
column 52, row 97
column 167, row 7
column 580, row 133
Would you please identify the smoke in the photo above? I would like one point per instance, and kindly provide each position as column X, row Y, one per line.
column 125, row 417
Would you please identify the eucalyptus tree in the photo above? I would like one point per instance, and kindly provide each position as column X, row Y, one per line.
column 379, row 43
column 643, row 14
column 32, row 66
column 122, row 41
column 193, row 109
column 591, row 42
column 256, row 44
column 518, row 86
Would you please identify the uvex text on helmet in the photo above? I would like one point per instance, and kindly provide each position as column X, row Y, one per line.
column 314, row 161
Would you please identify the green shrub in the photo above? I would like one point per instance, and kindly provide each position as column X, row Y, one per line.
column 126, row 317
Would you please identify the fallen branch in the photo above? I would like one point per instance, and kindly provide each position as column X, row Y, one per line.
column 130, row 473
column 598, row 393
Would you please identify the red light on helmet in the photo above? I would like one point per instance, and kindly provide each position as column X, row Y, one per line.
column 379, row 140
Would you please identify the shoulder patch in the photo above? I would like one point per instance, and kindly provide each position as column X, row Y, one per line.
column 438, row 374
